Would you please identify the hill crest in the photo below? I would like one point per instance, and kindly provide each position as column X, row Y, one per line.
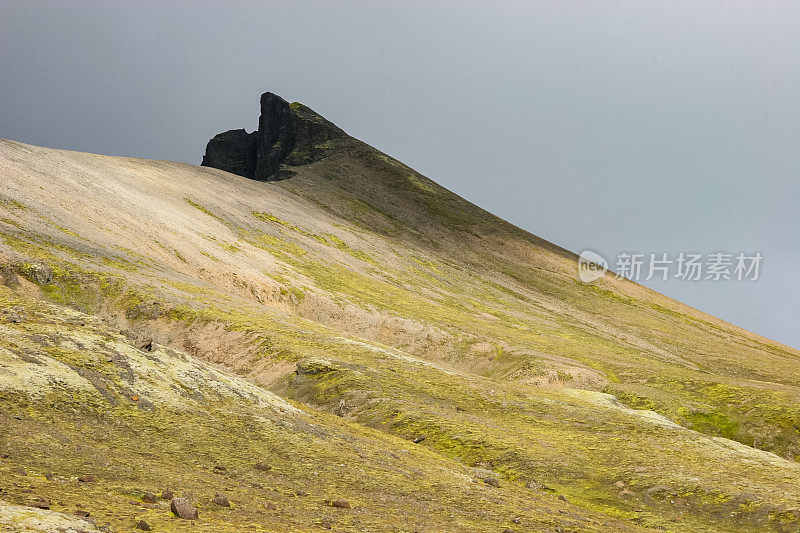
column 287, row 135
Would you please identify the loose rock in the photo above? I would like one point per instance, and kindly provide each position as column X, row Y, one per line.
column 181, row 508
column 167, row 494
column 221, row 500
column 88, row 478
column 41, row 503
column 263, row 467
column 341, row 504
column 143, row 526
column 149, row 497
column 148, row 346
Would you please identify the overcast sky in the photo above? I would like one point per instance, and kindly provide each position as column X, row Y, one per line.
column 618, row 126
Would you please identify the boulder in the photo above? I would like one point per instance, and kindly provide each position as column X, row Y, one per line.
column 181, row 508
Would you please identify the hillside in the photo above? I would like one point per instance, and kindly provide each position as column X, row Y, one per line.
column 347, row 329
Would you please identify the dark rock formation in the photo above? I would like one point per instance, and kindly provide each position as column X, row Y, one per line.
column 233, row 151
column 288, row 135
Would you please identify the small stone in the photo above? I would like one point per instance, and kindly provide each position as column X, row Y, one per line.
column 148, row 346
column 181, row 508
column 492, row 481
column 325, row 524
column 20, row 471
column 270, row 506
column 50, row 476
column 301, row 493
column 562, row 497
column 219, row 468
column 82, row 514
column 167, row 494
column 41, row 503
column 88, row 478
column 221, row 500
column 418, row 439
column 263, row 467
column 143, row 526
column 341, row 504
column 149, row 497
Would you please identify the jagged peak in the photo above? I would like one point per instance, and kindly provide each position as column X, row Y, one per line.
column 288, row 135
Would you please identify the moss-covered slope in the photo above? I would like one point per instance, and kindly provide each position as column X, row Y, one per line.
column 384, row 315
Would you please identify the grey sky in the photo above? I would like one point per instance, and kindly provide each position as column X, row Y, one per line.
column 617, row 126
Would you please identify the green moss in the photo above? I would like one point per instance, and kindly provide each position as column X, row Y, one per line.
column 358, row 254
column 634, row 401
column 10, row 222
column 298, row 293
column 268, row 217
column 10, row 203
column 276, row 246
column 120, row 264
column 714, row 423
column 205, row 210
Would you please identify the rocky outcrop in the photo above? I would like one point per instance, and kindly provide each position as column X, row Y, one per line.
column 233, row 151
column 288, row 135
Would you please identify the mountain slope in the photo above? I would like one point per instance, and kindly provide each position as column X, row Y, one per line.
column 391, row 313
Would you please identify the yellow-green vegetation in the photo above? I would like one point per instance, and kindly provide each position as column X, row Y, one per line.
column 141, row 422
column 416, row 345
column 10, row 203
column 266, row 217
column 203, row 209
column 358, row 254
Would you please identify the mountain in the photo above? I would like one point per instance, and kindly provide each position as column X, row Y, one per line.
column 322, row 337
